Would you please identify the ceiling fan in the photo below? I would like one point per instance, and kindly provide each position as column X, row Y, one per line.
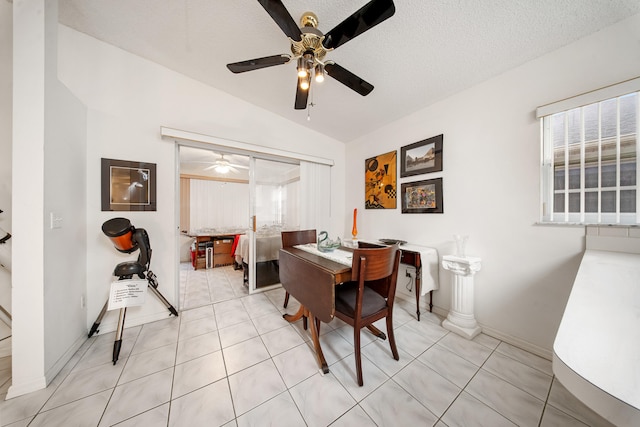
column 309, row 46
column 223, row 165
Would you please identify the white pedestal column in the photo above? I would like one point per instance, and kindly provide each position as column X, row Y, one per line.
column 461, row 319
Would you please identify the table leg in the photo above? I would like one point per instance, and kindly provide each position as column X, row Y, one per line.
column 322, row 363
column 301, row 314
column 418, row 285
column 295, row 317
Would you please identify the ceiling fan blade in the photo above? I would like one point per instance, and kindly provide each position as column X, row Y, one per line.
column 256, row 64
column 283, row 18
column 348, row 79
column 365, row 18
column 301, row 97
column 239, row 166
column 232, row 169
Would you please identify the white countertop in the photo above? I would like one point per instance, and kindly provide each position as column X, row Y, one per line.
column 598, row 341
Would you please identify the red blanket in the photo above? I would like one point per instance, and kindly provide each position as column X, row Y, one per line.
column 235, row 244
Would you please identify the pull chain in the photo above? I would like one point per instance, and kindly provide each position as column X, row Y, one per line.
column 311, row 104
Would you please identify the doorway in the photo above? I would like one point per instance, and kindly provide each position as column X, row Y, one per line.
column 312, row 202
column 237, row 204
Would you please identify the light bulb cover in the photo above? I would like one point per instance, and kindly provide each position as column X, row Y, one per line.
column 305, row 82
column 302, row 67
column 319, row 72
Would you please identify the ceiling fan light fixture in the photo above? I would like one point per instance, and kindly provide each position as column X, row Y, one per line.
column 305, row 68
column 222, row 165
column 319, row 73
column 302, row 68
column 305, row 82
column 309, row 45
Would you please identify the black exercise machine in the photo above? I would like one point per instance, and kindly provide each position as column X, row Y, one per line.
column 127, row 239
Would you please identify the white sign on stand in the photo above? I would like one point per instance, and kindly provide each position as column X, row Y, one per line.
column 127, row 293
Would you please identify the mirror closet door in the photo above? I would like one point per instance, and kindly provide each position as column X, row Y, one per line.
column 275, row 207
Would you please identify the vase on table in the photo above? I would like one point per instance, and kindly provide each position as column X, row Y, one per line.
column 461, row 245
column 354, row 229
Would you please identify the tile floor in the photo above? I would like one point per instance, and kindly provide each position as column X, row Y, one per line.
column 231, row 360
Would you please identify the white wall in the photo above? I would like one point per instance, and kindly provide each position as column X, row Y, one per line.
column 28, row 370
column 6, row 85
column 128, row 100
column 49, row 269
column 491, row 185
column 65, row 197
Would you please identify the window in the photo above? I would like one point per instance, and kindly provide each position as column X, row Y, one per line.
column 590, row 147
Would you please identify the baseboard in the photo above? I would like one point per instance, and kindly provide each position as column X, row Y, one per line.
column 65, row 358
column 517, row 342
column 27, row 387
column 507, row 338
column 40, row 383
column 110, row 326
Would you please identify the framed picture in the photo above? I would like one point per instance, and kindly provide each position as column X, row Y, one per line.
column 380, row 186
column 422, row 196
column 128, row 186
column 421, row 157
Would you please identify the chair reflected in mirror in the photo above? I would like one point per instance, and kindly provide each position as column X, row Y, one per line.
column 298, row 237
column 369, row 297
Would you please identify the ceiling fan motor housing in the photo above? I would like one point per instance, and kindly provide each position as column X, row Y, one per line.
column 311, row 42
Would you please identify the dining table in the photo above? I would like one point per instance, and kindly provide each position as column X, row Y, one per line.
column 310, row 276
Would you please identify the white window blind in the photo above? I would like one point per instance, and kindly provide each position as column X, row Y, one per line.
column 315, row 196
column 216, row 204
column 589, row 172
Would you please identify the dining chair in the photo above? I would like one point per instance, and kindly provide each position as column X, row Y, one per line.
column 297, row 237
column 369, row 296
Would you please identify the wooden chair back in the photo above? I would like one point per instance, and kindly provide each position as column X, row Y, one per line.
column 298, row 237
column 380, row 270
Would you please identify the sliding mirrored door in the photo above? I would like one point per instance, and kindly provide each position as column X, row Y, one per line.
column 275, row 207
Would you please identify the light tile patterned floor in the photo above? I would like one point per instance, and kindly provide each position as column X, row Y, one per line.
column 231, row 360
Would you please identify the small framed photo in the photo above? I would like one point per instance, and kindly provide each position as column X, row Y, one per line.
column 422, row 196
column 128, row 186
column 421, row 157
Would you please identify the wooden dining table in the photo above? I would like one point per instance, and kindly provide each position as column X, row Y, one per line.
column 311, row 279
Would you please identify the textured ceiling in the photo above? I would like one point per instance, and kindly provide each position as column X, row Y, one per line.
column 428, row 50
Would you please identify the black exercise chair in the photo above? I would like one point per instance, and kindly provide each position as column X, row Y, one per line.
column 127, row 239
